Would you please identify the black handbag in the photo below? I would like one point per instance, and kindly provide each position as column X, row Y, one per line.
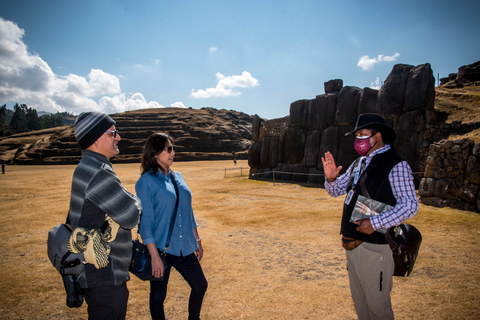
column 141, row 264
column 405, row 246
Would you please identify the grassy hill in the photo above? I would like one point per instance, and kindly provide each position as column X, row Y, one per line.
column 461, row 104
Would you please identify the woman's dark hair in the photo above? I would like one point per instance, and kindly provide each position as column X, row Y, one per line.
column 154, row 145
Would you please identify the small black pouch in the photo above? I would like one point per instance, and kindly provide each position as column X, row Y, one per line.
column 73, row 290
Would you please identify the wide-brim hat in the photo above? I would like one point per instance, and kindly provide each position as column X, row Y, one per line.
column 376, row 122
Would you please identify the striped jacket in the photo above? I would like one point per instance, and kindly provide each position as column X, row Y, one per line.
column 96, row 193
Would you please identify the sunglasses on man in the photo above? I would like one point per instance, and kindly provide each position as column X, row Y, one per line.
column 113, row 133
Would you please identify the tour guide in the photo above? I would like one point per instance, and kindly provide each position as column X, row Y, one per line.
column 97, row 193
column 387, row 178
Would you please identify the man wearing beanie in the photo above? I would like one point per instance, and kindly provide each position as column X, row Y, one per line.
column 97, row 193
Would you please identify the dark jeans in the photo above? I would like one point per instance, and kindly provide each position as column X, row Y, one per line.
column 107, row 302
column 192, row 272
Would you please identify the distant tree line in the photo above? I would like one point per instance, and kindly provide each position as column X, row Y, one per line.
column 23, row 118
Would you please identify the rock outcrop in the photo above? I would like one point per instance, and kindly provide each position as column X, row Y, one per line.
column 200, row 134
column 465, row 74
column 447, row 172
column 406, row 101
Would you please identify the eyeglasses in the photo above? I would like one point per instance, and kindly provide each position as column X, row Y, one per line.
column 170, row 149
column 114, row 133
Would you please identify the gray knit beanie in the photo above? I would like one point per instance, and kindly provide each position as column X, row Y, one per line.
column 89, row 126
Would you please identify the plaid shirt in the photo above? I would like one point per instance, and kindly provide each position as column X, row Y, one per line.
column 403, row 188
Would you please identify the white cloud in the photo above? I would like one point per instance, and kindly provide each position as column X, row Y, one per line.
column 119, row 103
column 99, row 83
column 212, row 49
column 226, row 85
column 367, row 63
column 376, row 84
column 26, row 78
column 178, row 104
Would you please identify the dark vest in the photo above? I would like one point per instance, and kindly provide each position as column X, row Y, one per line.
column 375, row 180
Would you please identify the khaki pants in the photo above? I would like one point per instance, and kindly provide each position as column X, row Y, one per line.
column 370, row 270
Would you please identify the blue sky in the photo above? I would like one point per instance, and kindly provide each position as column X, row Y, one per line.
column 251, row 56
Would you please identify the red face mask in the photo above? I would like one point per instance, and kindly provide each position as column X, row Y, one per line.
column 362, row 145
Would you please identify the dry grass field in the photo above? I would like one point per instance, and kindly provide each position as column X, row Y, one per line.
column 271, row 251
column 461, row 104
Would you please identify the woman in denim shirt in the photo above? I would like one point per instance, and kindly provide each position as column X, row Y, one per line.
column 156, row 190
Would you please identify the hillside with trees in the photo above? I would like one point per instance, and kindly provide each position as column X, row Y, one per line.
column 24, row 119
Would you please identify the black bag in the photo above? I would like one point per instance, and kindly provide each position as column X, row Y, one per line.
column 63, row 260
column 69, row 265
column 74, row 291
column 141, row 265
column 405, row 246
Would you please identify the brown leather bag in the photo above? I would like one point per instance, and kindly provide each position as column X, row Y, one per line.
column 405, row 245
column 350, row 243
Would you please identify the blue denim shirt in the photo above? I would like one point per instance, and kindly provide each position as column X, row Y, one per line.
column 158, row 197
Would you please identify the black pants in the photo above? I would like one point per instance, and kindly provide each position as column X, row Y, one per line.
column 107, row 302
column 190, row 269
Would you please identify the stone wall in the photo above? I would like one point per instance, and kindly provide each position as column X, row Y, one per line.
column 452, row 175
column 447, row 172
column 273, row 128
column 441, row 131
column 318, row 125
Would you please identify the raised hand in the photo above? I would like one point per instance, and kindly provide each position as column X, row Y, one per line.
column 330, row 168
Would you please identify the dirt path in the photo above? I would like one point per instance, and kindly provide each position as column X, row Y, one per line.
column 271, row 252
